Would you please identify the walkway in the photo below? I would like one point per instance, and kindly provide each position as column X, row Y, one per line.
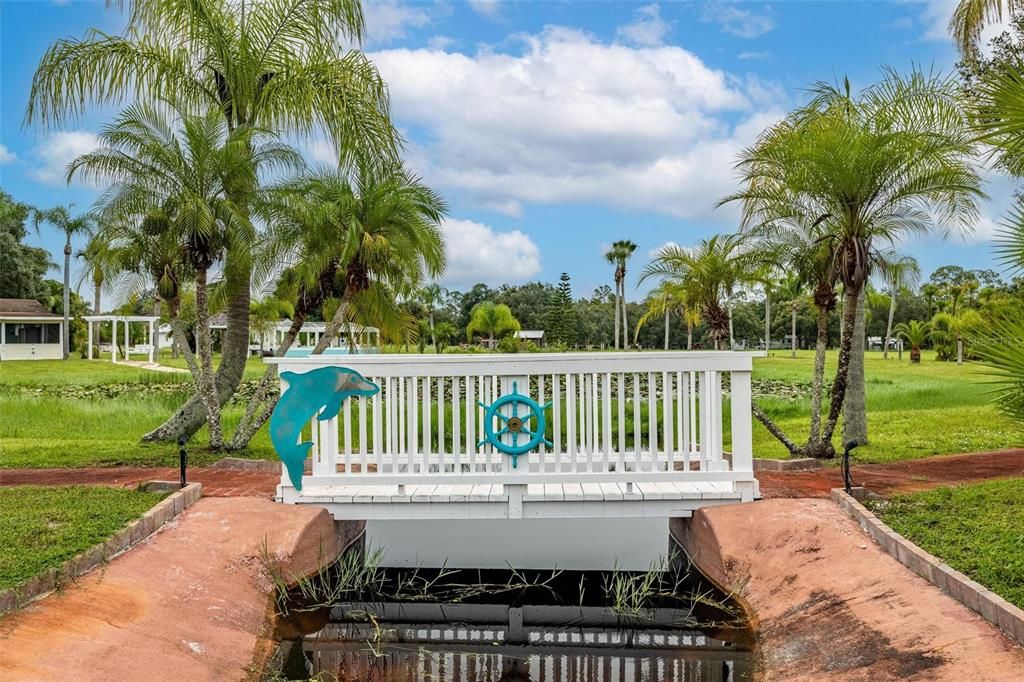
column 156, row 367
column 897, row 477
column 884, row 479
column 831, row 604
column 189, row 603
column 217, row 482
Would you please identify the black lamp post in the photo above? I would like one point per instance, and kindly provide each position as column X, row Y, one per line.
column 847, row 481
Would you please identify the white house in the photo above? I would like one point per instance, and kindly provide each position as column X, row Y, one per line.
column 28, row 331
column 534, row 335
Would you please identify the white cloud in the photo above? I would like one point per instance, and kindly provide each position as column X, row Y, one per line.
column 440, row 43
column 739, row 22
column 657, row 250
column 479, row 253
column 509, row 207
column 571, row 119
column 389, row 20
column 59, row 149
column 6, row 155
column 647, row 27
column 488, row 8
column 754, row 55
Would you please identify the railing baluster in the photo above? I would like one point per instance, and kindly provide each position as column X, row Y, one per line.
column 456, row 421
column 680, row 437
column 402, row 442
column 637, row 433
column 471, row 423
column 441, row 445
column 570, row 413
column 556, row 419
column 684, row 417
column 425, row 427
column 652, row 420
column 363, row 445
column 378, row 428
column 666, row 420
column 413, row 425
column 346, row 409
column 606, row 403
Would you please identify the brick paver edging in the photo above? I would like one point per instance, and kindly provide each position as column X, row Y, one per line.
column 971, row 594
column 126, row 538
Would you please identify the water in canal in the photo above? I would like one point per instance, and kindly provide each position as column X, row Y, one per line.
column 397, row 625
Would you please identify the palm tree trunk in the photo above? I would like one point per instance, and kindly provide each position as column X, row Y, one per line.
column 66, row 345
column 251, row 422
column 689, row 335
column 732, row 341
column 155, row 339
column 433, row 337
column 767, row 322
column 191, row 416
column 625, row 321
column 666, row 328
column 888, row 326
column 959, row 349
column 96, row 289
column 842, row 371
column 204, row 348
column 818, row 382
column 615, row 302
column 792, row 329
column 855, row 416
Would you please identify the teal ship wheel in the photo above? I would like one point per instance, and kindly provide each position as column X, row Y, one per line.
column 505, row 410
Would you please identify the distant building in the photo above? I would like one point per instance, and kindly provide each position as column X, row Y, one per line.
column 535, row 335
column 28, row 331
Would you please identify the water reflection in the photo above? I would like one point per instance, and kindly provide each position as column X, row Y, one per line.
column 520, row 635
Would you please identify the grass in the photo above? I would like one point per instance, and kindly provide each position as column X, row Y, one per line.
column 976, row 529
column 56, row 414
column 50, row 418
column 45, row 526
column 931, row 408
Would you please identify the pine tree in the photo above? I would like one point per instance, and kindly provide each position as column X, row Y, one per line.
column 561, row 326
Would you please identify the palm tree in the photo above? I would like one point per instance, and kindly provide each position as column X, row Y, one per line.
column 60, row 217
column 660, row 303
column 708, row 273
column 178, row 174
column 444, row 332
column 792, row 290
column 618, row 255
column 902, row 273
column 930, row 291
column 491, row 320
column 363, row 237
column 872, row 168
column 280, row 65
column 972, row 16
column 915, row 333
column 431, row 296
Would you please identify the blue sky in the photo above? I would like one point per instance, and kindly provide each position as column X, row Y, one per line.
column 555, row 128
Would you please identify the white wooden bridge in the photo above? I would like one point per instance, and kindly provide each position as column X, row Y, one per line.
column 631, row 440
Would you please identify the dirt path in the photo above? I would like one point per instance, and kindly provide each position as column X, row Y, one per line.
column 189, row 603
column 831, row 604
column 216, row 482
column 884, row 479
column 897, row 477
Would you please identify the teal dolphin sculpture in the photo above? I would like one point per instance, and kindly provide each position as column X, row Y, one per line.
column 327, row 388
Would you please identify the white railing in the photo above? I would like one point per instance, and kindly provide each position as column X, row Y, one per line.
column 634, row 417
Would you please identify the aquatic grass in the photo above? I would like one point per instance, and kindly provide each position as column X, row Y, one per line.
column 44, row 526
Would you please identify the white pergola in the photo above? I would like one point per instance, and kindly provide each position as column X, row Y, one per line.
column 149, row 320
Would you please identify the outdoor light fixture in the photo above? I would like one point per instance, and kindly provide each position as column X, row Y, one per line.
column 182, row 458
column 847, row 481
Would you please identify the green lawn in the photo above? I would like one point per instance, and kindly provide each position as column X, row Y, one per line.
column 45, row 526
column 931, row 408
column 976, row 529
column 58, row 414
column 80, row 413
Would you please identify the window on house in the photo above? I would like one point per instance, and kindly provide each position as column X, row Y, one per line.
column 32, row 333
